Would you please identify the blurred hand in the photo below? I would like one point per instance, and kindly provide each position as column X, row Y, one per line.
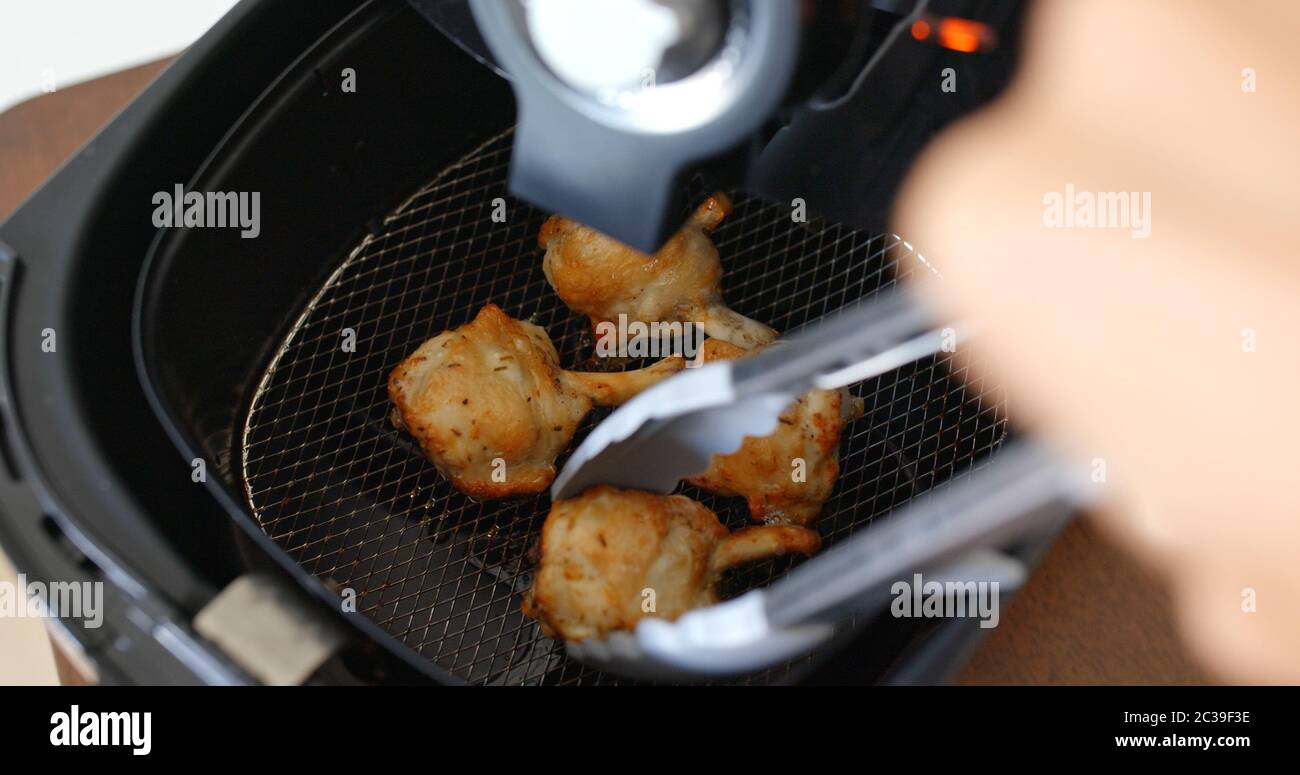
column 1172, row 358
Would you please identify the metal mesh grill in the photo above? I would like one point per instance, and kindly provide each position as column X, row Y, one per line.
column 355, row 502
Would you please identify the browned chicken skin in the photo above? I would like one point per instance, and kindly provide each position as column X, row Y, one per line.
column 608, row 555
column 602, row 278
column 492, row 408
column 762, row 470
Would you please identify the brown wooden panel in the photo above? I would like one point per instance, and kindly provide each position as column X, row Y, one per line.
column 1088, row 615
column 36, row 136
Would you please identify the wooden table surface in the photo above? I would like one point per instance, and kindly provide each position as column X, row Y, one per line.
column 1088, row 615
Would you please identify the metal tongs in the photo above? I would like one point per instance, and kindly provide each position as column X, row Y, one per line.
column 674, row 429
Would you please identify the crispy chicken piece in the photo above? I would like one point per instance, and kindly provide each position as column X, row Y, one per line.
column 602, row 278
column 609, row 554
column 762, row 470
column 493, row 390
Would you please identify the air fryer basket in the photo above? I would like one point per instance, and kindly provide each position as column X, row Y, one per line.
column 355, row 502
column 243, row 344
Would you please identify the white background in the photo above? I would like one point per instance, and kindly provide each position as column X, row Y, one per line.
column 83, row 39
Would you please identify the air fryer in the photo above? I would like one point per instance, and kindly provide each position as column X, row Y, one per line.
column 211, row 423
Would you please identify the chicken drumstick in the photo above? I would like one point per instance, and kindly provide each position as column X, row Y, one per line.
column 602, row 278
column 492, row 408
column 787, row 476
column 611, row 557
